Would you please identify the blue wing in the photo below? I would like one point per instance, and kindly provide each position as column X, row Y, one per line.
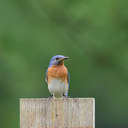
column 66, row 94
column 68, row 78
column 46, row 76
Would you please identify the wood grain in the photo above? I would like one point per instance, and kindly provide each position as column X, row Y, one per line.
column 57, row 113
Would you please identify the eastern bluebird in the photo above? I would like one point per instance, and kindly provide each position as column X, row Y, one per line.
column 57, row 76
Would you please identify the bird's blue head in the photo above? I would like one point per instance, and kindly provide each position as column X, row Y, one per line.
column 57, row 60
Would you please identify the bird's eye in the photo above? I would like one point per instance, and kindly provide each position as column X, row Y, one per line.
column 57, row 58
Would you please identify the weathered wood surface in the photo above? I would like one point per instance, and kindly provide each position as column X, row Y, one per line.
column 57, row 113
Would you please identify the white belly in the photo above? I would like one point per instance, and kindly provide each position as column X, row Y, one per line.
column 57, row 88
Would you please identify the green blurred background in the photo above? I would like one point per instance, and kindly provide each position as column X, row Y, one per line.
column 94, row 33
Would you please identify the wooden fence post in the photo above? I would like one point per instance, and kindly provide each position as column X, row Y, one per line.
column 57, row 113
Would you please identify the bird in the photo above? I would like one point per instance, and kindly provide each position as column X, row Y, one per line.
column 57, row 77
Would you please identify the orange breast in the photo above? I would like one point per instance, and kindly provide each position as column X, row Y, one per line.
column 58, row 72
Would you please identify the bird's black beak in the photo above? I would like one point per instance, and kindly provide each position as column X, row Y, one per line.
column 64, row 58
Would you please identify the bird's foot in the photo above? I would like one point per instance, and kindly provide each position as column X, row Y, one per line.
column 50, row 97
column 65, row 96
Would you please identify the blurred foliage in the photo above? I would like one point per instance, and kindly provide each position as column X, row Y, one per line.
column 93, row 33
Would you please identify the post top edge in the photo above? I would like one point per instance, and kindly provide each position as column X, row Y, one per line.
column 45, row 99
